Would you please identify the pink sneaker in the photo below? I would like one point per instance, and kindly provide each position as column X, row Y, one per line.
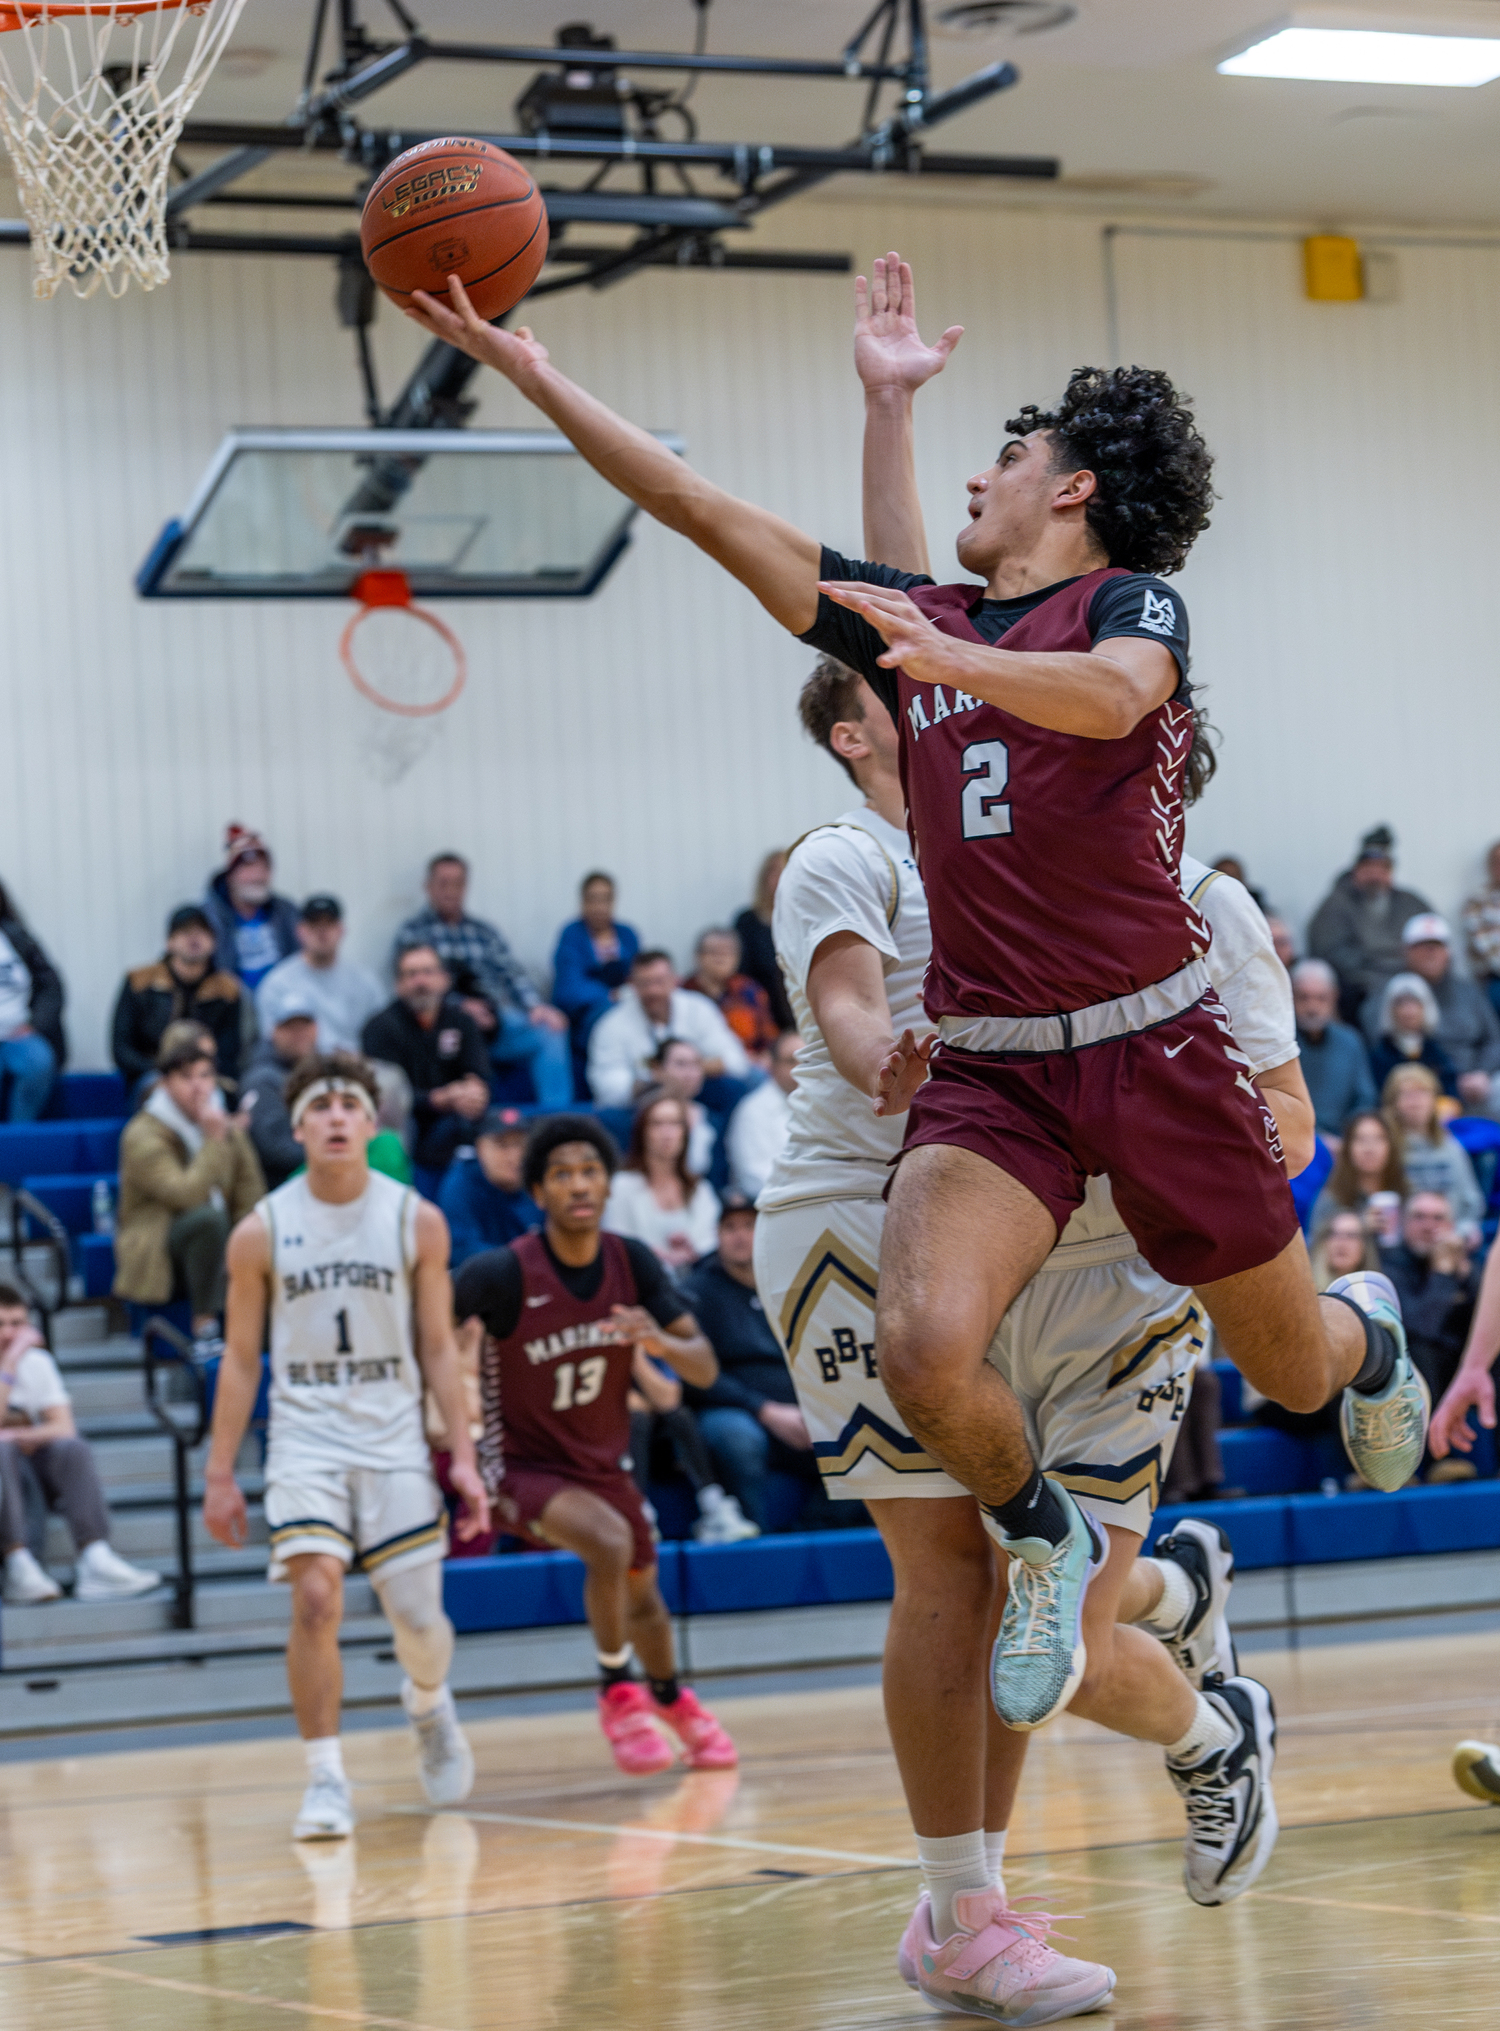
column 999, row 1965
column 707, row 1743
column 625, row 1716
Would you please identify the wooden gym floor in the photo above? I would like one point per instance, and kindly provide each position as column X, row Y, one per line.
column 564, row 1898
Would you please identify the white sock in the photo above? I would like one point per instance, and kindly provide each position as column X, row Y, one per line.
column 951, row 1864
column 1210, row 1730
column 994, row 1857
column 1178, row 1597
column 325, row 1757
column 422, row 1699
column 613, row 1660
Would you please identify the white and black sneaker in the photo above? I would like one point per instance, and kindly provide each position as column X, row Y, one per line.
column 1231, row 1811
column 1202, row 1644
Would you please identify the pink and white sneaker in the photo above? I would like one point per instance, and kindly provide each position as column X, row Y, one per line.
column 640, row 1749
column 999, row 1965
column 705, row 1739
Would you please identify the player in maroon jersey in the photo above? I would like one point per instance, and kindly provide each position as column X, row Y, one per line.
column 1045, row 721
column 567, row 1315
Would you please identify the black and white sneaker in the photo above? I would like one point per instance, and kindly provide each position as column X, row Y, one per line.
column 1201, row 1643
column 1231, row 1812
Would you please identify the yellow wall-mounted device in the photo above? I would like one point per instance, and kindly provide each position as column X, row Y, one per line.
column 1332, row 269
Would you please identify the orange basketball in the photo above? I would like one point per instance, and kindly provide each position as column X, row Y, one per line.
column 455, row 207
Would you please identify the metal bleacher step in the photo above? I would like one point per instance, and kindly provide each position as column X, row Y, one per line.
column 230, row 1618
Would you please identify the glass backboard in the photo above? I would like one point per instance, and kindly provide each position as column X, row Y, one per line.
column 300, row 514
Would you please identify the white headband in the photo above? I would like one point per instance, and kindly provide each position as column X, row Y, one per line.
column 350, row 1088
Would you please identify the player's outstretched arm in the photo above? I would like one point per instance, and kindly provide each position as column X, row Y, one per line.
column 1473, row 1387
column 892, row 363
column 767, row 555
column 846, row 993
column 437, row 1356
column 249, row 1262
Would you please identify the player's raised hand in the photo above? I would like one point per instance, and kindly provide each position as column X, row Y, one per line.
column 888, row 349
column 225, row 1516
column 902, row 1071
column 457, row 323
column 1449, row 1431
column 913, row 644
column 468, row 1483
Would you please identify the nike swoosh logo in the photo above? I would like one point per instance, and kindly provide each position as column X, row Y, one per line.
column 545, row 1299
column 1177, row 1047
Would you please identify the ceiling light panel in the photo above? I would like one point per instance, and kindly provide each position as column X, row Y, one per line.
column 1368, row 56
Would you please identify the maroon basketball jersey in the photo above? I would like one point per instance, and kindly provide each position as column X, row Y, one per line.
column 554, row 1392
column 1050, row 861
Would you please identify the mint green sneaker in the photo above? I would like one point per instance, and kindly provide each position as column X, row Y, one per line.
column 1386, row 1435
column 1038, row 1659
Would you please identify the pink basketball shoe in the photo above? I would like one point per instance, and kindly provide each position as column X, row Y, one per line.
column 625, row 1716
column 707, row 1743
column 999, row 1965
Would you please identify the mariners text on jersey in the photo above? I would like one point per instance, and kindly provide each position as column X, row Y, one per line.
column 592, row 1333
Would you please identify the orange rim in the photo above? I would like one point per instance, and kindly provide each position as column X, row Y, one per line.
column 25, row 13
column 439, row 628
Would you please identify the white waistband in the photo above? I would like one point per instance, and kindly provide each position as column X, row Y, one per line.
column 1096, row 1025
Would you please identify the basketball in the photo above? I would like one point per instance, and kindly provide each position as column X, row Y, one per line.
column 455, row 207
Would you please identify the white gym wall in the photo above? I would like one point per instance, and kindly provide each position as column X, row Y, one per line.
column 1340, row 601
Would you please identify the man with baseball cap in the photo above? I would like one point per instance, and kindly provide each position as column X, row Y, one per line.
column 184, row 985
column 482, row 1196
column 1357, row 928
column 1468, row 1028
column 254, row 927
column 339, row 994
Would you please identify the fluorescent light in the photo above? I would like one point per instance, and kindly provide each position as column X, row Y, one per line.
column 1369, row 57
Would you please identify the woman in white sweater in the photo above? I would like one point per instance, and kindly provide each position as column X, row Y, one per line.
column 655, row 1196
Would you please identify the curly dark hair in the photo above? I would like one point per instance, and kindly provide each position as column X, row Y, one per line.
column 1128, row 426
column 552, row 1131
column 1202, row 762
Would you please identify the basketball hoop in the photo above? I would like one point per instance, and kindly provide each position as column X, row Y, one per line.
column 411, row 673
column 91, row 116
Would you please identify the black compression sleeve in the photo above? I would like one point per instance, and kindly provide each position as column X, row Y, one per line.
column 489, row 1287
column 653, row 1283
column 849, row 637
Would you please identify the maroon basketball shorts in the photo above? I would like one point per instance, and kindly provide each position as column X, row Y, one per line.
column 1170, row 1113
column 525, row 1492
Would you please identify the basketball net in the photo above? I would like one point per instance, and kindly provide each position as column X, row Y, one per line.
column 406, row 665
column 92, row 101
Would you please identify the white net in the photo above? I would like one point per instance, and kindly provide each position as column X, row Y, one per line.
column 92, row 101
column 407, row 669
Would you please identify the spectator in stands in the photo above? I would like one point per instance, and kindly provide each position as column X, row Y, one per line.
column 294, row 1036
column 436, row 1043
column 254, row 927
column 1406, row 1017
column 1482, row 928
column 654, row 1195
column 757, row 946
column 677, row 1068
column 1334, row 1060
column 1434, row 1160
column 1342, row 1245
column 340, row 995
column 1282, row 942
column 749, row 1415
column 1436, row 1285
column 33, row 1049
column 1368, row 1162
column 518, row 1027
column 188, row 1172
column 743, row 1002
column 184, row 985
column 758, row 1126
column 650, row 1010
column 665, row 1439
column 1467, row 1029
column 591, row 963
column 1357, row 927
column 482, row 1196
column 45, row 1465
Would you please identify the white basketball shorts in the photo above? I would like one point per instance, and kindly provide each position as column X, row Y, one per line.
column 381, row 1520
column 1101, row 1359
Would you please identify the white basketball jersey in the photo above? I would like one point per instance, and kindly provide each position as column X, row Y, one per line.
column 345, row 1386
column 856, row 874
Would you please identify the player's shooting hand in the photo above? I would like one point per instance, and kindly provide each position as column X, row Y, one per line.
column 468, row 1484
column 913, row 644
column 458, row 323
column 902, row 1071
column 1470, row 1389
column 888, row 349
column 225, row 1516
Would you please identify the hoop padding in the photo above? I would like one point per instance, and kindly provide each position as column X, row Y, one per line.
column 385, row 598
column 92, row 101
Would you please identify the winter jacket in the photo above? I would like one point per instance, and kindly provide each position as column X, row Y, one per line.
column 1468, row 1029
column 479, row 1214
column 1359, row 932
column 47, row 991
column 157, row 1182
column 224, row 918
column 1386, row 1054
column 153, row 996
column 261, row 1092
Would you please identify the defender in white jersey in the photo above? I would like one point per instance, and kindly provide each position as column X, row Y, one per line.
column 353, row 1269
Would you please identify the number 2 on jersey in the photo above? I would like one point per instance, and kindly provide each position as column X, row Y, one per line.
column 987, row 762
column 579, row 1385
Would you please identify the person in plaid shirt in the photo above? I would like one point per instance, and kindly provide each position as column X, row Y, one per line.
column 519, row 1027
